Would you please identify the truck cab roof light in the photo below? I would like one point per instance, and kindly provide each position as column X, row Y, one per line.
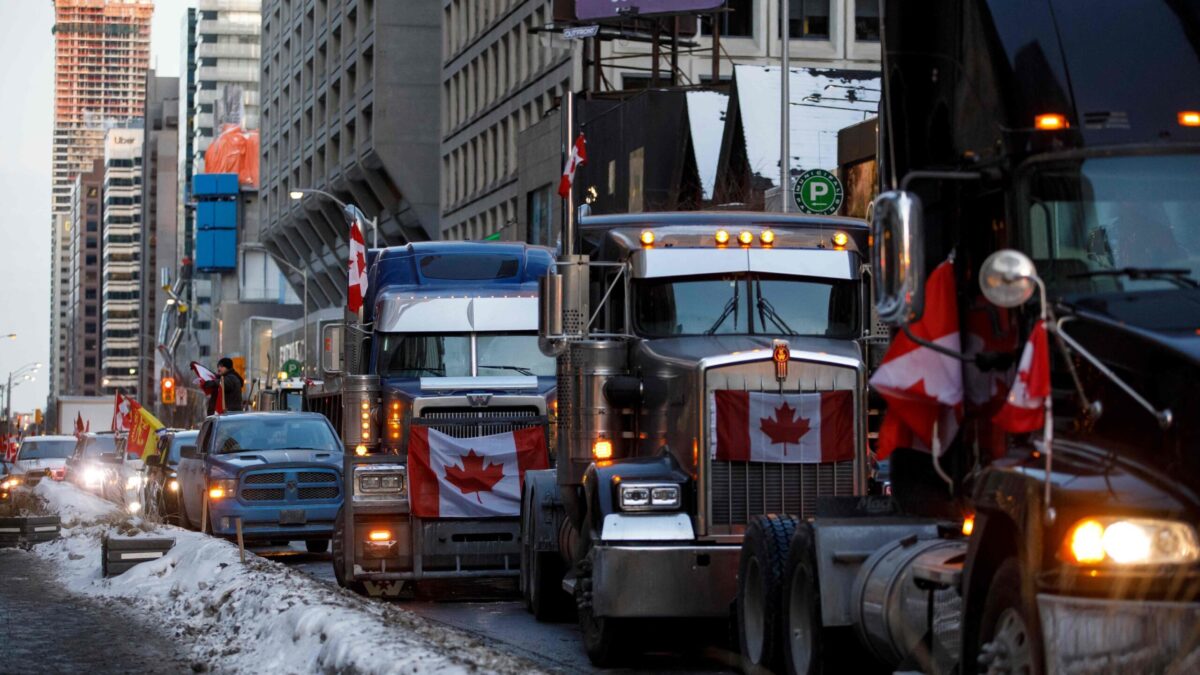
column 840, row 239
column 767, row 237
column 722, row 237
column 647, row 237
column 1050, row 122
column 745, row 237
column 1189, row 118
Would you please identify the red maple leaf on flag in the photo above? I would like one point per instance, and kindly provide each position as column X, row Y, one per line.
column 472, row 477
column 785, row 427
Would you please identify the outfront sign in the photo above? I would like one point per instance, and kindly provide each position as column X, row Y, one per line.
column 586, row 10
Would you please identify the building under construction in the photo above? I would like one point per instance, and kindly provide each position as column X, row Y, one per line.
column 102, row 53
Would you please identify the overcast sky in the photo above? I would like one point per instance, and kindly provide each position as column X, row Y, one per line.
column 26, row 118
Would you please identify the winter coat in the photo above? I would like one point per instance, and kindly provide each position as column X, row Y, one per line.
column 233, row 384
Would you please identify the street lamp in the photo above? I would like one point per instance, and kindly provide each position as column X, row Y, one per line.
column 23, row 370
column 304, row 277
column 298, row 194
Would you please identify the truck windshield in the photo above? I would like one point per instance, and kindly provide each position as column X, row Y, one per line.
column 1106, row 224
column 282, row 433
column 99, row 445
column 422, row 355
column 746, row 305
column 56, row 449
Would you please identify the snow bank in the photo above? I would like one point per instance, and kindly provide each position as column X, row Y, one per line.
column 255, row 617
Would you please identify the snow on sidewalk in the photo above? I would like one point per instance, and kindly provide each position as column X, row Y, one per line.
column 257, row 617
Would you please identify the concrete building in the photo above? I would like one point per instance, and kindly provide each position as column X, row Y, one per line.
column 505, row 66
column 349, row 93
column 83, row 319
column 160, row 212
column 101, row 54
column 121, row 324
column 185, row 238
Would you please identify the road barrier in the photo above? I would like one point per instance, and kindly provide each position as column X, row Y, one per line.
column 25, row 531
column 119, row 554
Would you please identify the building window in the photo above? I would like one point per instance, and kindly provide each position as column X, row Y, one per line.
column 204, row 350
column 866, row 20
column 639, row 81
column 90, row 310
column 90, row 378
column 539, row 216
column 90, row 327
column 89, row 362
column 89, row 294
column 737, row 21
column 808, row 19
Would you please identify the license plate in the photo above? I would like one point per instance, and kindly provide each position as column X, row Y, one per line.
column 292, row 517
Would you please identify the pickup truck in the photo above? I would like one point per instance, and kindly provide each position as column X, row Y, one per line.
column 279, row 472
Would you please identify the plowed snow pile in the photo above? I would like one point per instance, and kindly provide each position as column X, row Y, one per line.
column 257, row 617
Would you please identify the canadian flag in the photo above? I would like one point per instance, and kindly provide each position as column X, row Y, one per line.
column 203, row 377
column 471, row 477
column 1024, row 409
column 357, row 289
column 577, row 157
column 122, row 409
column 805, row 428
column 923, row 387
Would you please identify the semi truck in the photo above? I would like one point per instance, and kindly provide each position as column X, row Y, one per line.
column 1049, row 149
column 442, row 405
column 95, row 411
column 711, row 368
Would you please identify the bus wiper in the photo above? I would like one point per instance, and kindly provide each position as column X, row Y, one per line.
column 1176, row 275
column 730, row 308
column 767, row 311
column 519, row 369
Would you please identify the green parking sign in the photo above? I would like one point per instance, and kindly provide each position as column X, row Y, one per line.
column 819, row 192
column 292, row 367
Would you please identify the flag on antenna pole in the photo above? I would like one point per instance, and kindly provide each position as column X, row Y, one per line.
column 357, row 282
column 1025, row 407
column 577, row 157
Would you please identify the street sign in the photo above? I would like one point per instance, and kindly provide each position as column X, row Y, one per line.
column 292, row 367
column 818, row 192
column 581, row 32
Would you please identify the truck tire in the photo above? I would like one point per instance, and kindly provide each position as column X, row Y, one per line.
column 760, row 580
column 1009, row 634
column 604, row 638
column 339, row 566
column 541, row 572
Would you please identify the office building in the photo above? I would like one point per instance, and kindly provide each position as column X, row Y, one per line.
column 83, row 306
column 160, row 192
column 227, row 66
column 121, row 325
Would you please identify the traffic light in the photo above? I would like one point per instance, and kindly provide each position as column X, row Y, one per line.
column 168, row 390
column 37, row 416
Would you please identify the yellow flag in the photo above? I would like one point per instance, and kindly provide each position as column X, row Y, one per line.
column 143, row 427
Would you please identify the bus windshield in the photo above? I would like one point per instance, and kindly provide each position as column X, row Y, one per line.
column 1107, row 224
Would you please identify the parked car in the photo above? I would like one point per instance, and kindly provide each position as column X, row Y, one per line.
column 41, row 456
column 91, row 465
column 7, row 482
column 279, row 472
column 160, row 491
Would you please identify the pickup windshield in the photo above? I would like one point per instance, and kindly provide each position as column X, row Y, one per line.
column 47, row 449
column 283, row 433
column 746, row 304
column 424, row 355
column 99, row 445
column 1114, row 224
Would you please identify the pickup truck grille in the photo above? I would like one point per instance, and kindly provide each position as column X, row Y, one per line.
column 473, row 422
column 284, row 486
column 741, row 490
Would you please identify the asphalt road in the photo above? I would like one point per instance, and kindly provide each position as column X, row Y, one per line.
column 493, row 611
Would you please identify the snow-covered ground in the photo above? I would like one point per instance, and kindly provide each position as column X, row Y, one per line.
column 254, row 617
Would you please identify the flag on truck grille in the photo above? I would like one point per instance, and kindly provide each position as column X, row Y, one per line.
column 471, row 477
column 1024, row 409
column 807, row 428
column 922, row 386
column 577, row 158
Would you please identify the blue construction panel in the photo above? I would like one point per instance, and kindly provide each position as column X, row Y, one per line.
column 215, row 185
column 216, row 215
column 216, row 250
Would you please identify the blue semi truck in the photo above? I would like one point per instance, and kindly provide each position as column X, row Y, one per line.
column 442, row 399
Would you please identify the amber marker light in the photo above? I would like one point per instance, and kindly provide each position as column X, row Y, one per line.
column 361, row 450
column 216, row 493
column 647, row 237
column 1189, row 118
column 1050, row 122
column 968, row 525
column 1086, row 542
column 840, row 239
column 379, row 535
column 722, row 237
column 602, row 449
column 745, row 237
column 767, row 237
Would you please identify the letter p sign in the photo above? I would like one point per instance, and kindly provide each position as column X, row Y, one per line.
column 818, row 192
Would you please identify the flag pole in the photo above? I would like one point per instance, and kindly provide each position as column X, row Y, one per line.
column 785, row 101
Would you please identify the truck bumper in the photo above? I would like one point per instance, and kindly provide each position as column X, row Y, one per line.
column 664, row 581
column 435, row 549
column 268, row 522
column 1086, row 635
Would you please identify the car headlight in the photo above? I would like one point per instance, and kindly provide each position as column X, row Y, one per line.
column 133, row 482
column 380, row 481
column 649, row 496
column 173, row 485
column 9, row 484
column 1130, row 541
column 93, row 476
column 222, row 488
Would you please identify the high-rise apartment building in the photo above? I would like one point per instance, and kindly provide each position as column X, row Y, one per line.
column 120, row 289
column 102, row 52
column 83, row 307
column 227, row 53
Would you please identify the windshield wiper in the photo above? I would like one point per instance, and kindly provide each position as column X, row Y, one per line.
column 1176, row 275
column 767, row 311
column 519, row 369
column 731, row 307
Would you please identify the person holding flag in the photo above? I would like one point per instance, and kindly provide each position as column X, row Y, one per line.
column 224, row 387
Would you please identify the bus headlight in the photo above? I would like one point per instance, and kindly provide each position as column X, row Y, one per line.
column 649, row 496
column 1130, row 541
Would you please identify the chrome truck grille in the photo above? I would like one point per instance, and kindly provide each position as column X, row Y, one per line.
column 473, row 422
column 739, row 490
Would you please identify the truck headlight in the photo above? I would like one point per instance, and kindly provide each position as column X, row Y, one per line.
column 649, row 496
column 93, row 476
column 381, row 481
column 1130, row 541
column 222, row 488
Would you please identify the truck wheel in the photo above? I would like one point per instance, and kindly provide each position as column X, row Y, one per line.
column 339, row 565
column 760, row 580
column 1009, row 641
column 604, row 638
column 316, row 545
column 541, row 573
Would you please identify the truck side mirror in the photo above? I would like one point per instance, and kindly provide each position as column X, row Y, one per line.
column 897, row 257
column 332, row 335
column 550, row 323
column 188, row 452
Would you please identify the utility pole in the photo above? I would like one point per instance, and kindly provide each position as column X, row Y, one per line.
column 785, row 103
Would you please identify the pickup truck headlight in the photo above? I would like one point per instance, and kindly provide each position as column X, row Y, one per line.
column 93, row 476
column 1124, row 542
column 222, row 488
column 380, row 482
column 649, row 496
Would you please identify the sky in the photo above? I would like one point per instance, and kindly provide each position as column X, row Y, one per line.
column 26, row 118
